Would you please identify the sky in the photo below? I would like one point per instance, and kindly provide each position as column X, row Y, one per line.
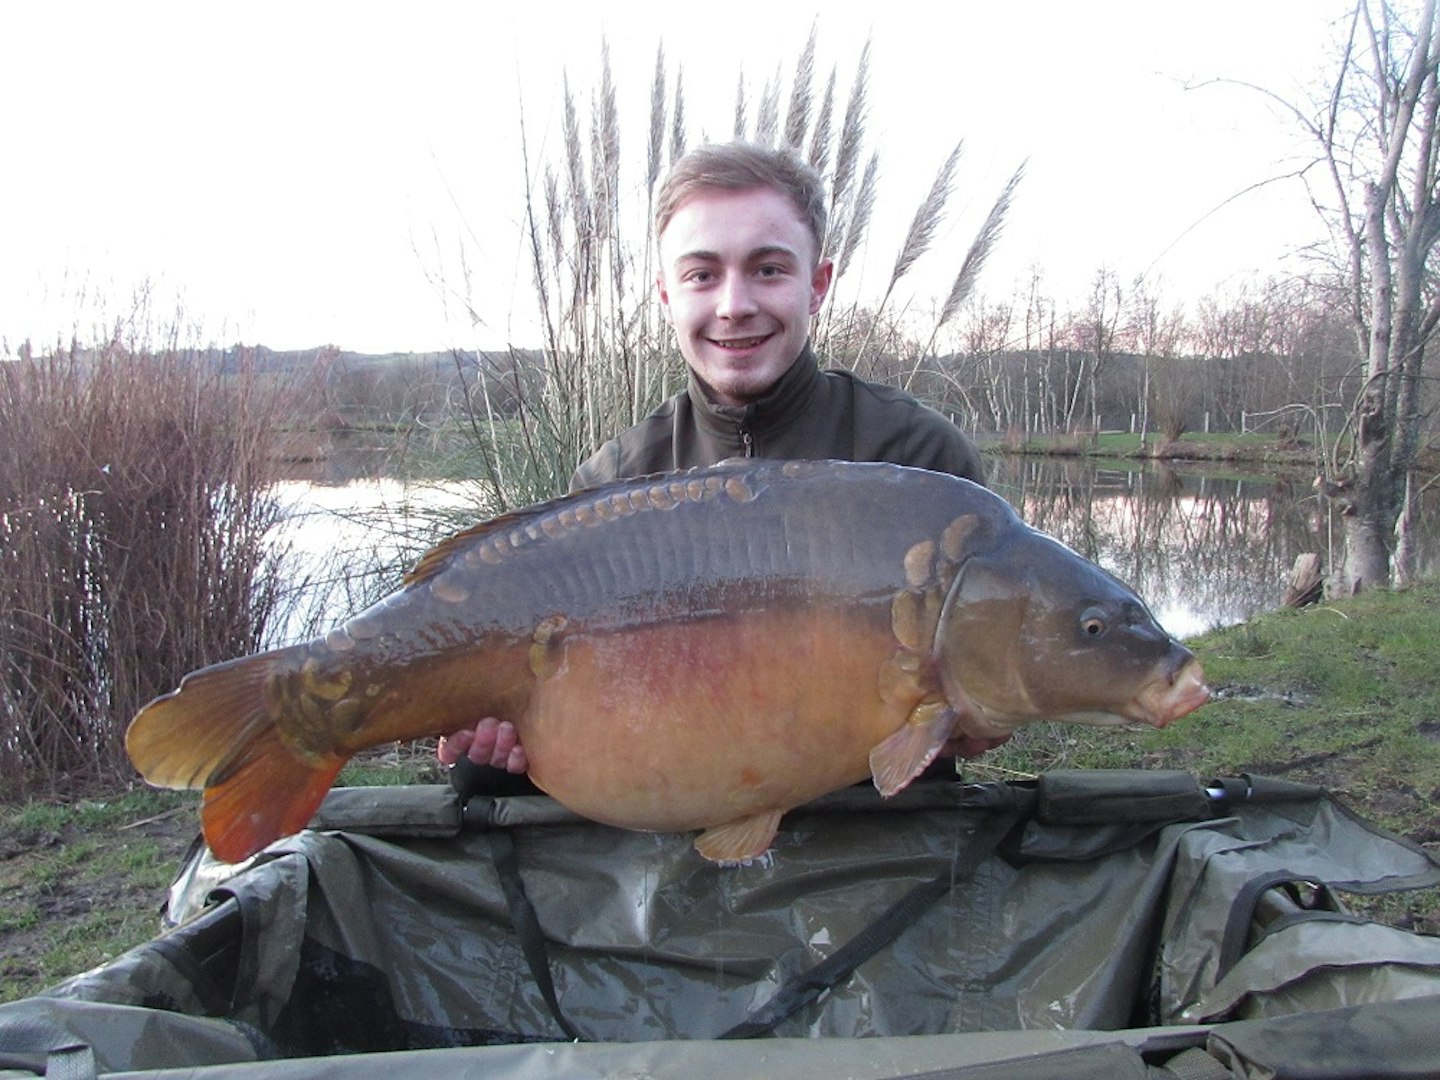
column 296, row 174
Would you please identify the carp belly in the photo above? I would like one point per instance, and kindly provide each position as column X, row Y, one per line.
column 702, row 722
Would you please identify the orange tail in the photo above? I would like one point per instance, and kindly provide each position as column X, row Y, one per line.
column 219, row 732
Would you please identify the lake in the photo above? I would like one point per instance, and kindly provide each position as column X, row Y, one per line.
column 1205, row 548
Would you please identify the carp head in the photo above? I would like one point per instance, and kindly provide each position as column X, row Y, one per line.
column 1031, row 631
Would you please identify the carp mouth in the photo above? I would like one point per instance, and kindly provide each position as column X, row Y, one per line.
column 1166, row 699
column 1161, row 701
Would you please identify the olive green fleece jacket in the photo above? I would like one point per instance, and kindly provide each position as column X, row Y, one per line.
column 809, row 414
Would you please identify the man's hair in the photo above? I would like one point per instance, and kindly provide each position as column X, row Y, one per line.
column 738, row 166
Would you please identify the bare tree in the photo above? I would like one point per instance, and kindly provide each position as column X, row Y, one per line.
column 985, row 332
column 1154, row 331
column 1094, row 332
column 1377, row 139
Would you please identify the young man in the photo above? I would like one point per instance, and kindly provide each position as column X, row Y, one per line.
column 741, row 275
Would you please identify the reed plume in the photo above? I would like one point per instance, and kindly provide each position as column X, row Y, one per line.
column 980, row 249
column 606, row 360
column 797, row 116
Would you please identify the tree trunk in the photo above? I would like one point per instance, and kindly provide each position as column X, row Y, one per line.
column 1369, row 521
column 1306, row 582
column 1370, row 509
column 1403, row 559
column 1394, row 94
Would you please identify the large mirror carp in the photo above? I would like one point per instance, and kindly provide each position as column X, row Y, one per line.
column 701, row 650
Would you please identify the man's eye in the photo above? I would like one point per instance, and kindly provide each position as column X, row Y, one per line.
column 771, row 270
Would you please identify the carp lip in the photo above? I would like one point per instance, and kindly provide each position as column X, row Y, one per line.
column 1166, row 700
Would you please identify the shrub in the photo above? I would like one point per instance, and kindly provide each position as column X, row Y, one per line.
column 134, row 508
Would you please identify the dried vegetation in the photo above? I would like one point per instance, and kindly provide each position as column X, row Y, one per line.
column 134, row 511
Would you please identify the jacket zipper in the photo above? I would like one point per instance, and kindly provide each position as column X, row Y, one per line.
column 747, row 442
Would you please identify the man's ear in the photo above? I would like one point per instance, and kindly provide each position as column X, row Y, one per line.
column 820, row 279
column 663, row 294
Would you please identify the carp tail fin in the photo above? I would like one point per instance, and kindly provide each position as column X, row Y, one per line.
column 272, row 793
column 219, row 732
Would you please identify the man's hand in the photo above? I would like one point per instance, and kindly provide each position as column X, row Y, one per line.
column 491, row 742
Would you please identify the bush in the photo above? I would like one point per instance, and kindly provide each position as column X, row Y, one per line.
column 134, row 507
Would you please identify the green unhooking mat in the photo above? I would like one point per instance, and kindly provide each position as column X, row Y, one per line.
column 1089, row 923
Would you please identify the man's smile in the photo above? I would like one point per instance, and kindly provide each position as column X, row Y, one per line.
column 740, row 344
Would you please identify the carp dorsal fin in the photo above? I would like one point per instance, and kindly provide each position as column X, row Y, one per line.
column 582, row 508
column 434, row 560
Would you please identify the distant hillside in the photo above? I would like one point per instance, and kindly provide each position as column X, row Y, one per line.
column 304, row 361
column 393, row 388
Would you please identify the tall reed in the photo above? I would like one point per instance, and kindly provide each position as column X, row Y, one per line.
column 134, row 508
column 607, row 356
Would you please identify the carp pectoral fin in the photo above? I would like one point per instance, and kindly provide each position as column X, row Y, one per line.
column 904, row 755
column 740, row 840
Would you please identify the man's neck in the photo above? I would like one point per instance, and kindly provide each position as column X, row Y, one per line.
column 733, row 405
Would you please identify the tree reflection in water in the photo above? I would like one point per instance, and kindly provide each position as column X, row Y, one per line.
column 1204, row 548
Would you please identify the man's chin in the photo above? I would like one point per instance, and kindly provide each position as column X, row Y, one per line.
column 738, row 380
column 738, row 392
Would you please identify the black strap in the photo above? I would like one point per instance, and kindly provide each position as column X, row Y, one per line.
column 809, row 985
column 527, row 925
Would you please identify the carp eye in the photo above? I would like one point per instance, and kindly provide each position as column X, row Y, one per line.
column 1092, row 622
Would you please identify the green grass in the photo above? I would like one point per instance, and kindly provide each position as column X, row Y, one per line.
column 82, row 882
column 413, row 763
column 1218, row 445
column 1345, row 695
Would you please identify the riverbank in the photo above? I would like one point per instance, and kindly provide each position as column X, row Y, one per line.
column 1260, row 449
column 1342, row 695
column 1255, row 449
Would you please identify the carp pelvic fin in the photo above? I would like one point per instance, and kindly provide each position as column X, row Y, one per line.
column 741, row 840
column 217, row 732
column 904, row 755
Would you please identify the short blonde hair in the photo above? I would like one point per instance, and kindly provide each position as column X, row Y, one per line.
column 737, row 166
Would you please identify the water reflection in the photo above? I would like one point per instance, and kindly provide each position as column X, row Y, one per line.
column 1203, row 548
column 344, row 544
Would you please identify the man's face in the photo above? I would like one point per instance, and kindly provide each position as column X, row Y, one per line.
column 739, row 279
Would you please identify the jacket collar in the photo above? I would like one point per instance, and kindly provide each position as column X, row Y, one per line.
column 787, row 399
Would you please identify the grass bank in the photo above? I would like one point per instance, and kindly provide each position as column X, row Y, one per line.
column 1251, row 448
column 1223, row 446
column 1344, row 695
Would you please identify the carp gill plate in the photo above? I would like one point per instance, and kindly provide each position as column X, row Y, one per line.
column 702, row 650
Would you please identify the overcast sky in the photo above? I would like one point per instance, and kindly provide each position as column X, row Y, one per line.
column 303, row 173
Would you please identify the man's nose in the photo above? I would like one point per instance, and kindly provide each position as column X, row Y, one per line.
column 735, row 299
